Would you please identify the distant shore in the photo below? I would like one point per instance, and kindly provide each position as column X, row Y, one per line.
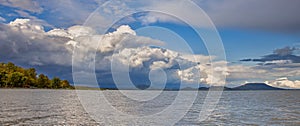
column 245, row 87
column 109, row 89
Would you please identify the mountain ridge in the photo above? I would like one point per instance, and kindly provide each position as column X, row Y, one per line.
column 244, row 87
column 247, row 86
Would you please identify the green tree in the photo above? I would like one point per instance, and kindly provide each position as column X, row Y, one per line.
column 16, row 79
column 55, row 83
column 15, row 76
column 31, row 72
column 10, row 67
column 3, row 78
column 65, row 84
column 42, row 81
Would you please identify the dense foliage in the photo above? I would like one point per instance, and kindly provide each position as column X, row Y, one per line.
column 12, row 76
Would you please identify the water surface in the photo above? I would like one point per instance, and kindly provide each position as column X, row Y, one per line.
column 62, row 107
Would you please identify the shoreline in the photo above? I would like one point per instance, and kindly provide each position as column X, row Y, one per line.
column 100, row 89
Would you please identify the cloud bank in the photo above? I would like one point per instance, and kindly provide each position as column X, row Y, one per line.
column 280, row 56
column 27, row 43
column 284, row 63
column 275, row 15
column 284, row 82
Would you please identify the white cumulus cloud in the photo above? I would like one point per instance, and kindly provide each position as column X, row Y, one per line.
column 284, row 82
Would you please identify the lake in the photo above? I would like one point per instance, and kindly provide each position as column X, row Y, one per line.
column 63, row 107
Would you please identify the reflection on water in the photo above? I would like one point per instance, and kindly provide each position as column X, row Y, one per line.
column 43, row 107
column 62, row 107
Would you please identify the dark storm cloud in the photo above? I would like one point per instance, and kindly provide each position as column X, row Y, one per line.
column 284, row 55
column 275, row 15
column 31, row 49
column 285, row 51
column 28, row 46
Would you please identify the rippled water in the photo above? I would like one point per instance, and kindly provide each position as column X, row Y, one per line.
column 62, row 107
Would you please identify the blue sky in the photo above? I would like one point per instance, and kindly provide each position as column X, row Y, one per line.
column 262, row 30
column 238, row 43
column 235, row 39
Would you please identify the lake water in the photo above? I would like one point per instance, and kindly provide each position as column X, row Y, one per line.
column 62, row 107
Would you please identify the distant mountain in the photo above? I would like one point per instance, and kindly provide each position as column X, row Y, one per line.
column 248, row 86
column 214, row 88
column 203, row 88
column 255, row 86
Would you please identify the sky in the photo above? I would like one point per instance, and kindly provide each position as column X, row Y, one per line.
column 129, row 44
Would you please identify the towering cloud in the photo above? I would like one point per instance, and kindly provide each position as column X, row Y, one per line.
column 27, row 43
column 24, row 42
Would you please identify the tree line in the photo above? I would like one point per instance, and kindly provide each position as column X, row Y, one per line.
column 12, row 76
